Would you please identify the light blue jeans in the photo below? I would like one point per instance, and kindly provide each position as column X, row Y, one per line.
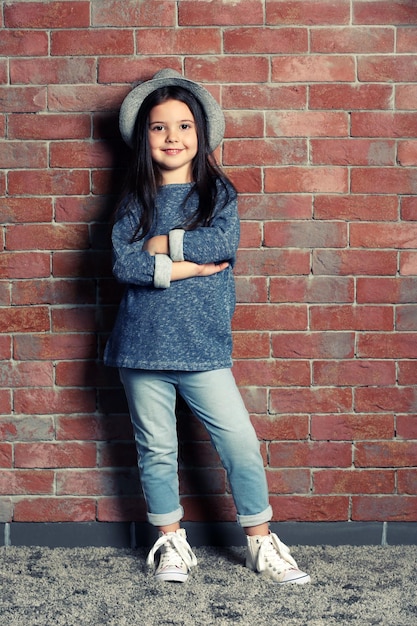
column 214, row 398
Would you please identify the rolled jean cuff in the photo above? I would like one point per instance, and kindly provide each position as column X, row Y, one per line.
column 255, row 520
column 165, row 519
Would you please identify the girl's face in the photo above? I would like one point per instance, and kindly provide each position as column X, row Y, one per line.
column 173, row 140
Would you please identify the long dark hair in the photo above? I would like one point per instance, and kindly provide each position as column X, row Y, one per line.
column 144, row 178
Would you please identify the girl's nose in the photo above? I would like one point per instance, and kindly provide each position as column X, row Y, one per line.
column 172, row 136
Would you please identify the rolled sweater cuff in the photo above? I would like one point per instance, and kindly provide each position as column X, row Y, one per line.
column 176, row 244
column 162, row 273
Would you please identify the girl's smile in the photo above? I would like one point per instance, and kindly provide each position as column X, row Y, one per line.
column 172, row 151
column 173, row 140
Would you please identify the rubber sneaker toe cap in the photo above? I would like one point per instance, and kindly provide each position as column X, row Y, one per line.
column 295, row 576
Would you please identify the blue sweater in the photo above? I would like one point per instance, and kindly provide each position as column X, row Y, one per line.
column 186, row 324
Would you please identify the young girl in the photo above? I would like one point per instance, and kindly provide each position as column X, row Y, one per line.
column 174, row 241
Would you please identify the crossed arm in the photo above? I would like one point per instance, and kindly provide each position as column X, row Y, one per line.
column 181, row 269
column 176, row 255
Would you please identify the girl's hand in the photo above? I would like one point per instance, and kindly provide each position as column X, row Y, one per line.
column 157, row 245
column 211, row 268
column 187, row 269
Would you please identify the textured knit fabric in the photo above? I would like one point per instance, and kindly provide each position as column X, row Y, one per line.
column 184, row 324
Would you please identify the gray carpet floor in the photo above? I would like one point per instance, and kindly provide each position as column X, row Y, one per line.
column 370, row 585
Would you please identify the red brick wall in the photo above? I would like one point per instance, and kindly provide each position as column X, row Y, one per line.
column 320, row 99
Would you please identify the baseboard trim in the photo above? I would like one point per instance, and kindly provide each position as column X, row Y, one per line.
column 136, row 535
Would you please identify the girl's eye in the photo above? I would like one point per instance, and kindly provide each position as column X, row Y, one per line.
column 185, row 126
column 157, row 127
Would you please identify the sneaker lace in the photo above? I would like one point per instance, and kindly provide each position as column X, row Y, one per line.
column 275, row 554
column 175, row 550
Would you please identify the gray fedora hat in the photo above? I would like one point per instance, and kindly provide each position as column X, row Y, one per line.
column 131, row 105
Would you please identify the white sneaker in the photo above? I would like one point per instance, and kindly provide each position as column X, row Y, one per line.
column 176, row 557
column 271, row 558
